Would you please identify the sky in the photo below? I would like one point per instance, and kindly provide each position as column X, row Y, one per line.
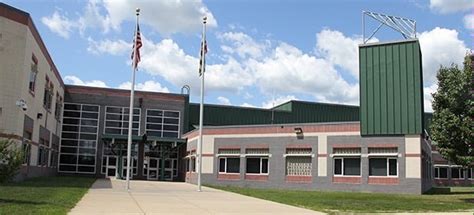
column 260, row 53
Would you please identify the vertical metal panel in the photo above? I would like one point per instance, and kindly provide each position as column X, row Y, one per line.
column 391, row 88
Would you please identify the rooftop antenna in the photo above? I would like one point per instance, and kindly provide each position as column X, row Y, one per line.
column 404, row 26
column 185, row 89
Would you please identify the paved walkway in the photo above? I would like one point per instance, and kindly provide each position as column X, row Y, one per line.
column 146, row 197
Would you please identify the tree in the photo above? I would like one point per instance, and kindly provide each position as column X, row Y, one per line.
column 11, row 158
column 453, row 105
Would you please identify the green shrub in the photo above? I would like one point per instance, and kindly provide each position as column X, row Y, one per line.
column 11, row 158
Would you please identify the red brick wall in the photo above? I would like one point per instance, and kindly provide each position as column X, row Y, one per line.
column 226, row 176
column 347, row 179
column 383, row 180
column 299, row 178
column 256, row 177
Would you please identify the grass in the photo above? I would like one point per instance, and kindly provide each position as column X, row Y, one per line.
column 43, row 195
column 458, row 199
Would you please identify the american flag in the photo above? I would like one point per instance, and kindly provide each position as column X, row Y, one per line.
column 137, row 44
column 202, row 59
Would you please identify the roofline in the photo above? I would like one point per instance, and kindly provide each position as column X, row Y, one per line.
column 233, row 106
column 109, row 90
column 28, row 21
column 388, row 42
column 271, row 125
column 321, row 103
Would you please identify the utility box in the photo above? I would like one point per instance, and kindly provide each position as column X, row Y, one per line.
column 391, row 88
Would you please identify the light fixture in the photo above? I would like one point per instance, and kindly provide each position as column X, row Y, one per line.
column 39, row 116
column 298, row 130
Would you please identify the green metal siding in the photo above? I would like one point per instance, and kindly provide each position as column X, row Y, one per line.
column 391, row 88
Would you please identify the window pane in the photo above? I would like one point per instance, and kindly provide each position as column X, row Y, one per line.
column 264, row 165
column 171, row 121
column 90, row 115
column 170, row 134
column 70, row 128
column 71, row 150
column 67, row 168
column 70, row 121
column 69, row 135
column 253, row 165
column 88, row 129
column 222, row 165
column 171, row 114
column 68, row 159
column 170, row 128
column 89, row 122
column 113, row 117
column 233, row 165
column 392, row 163
column 351, row 166
column 90, row 108
column 88, row 160
column 153, row 127
column 69, row 142
column 436, row 173
column 72, row 107
column 337, row 166
column 378, row 166
column 443, row 172
column 85, row 169
column 72, row 114
column 155, row 113
column 88, row 136
column 154, row 119
column 455, row 173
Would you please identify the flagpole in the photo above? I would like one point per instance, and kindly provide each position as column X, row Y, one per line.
column 201, row 106
column 130, row 112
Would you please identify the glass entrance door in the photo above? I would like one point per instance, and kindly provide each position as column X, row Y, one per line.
column 171, row 169
column 152, row 168
column 110, row 163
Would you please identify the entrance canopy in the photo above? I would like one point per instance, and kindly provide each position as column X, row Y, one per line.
column 122, row 139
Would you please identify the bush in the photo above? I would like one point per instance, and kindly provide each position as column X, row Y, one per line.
column 11, row 158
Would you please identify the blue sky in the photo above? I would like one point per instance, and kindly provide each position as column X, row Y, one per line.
column 260, row 52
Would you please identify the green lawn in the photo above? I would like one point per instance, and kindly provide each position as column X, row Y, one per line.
column 44, row 195
column 333, row 202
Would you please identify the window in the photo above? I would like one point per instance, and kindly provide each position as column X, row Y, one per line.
column 457, row 172
column 257, row 161
column 441, row 172
column 192, row 164
column 470, row 173
column 42, row 156
column 257, row 165
column 48, row 94
column 229, row 165
column 27, row 136
column 298, row 162
column 33, row 74
column 79, row 138
column 58, row 107
column 162, row 123
column 116, row 120
column 229, row 160
column 383, row 167
column 26, row 153
column 347, row 166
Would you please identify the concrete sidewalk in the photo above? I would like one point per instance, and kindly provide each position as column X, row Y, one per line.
column 147, row 197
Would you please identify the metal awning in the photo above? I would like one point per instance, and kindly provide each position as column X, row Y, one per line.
column 150, row 139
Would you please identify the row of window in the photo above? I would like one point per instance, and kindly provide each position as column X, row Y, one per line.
column 299, row 162
column 159, row 123
column 48, row 93
column 79, row 138
column 441, row 172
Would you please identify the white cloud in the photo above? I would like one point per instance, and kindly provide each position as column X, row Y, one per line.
column 289, row 70
column 440, row 46
column 70, row 79
column 168, row 60
column 223, row 100
column 428, row 98
column 151, row 86
column 248, row 105
column 116, row 47
column 340, row 50
column 59, row 24
column 146, row 86
column 278, row 101
column 165, row 16
column 242, row 44
column 451, row 6
column 469, row 21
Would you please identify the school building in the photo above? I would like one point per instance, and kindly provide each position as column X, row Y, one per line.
column 380, row 146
